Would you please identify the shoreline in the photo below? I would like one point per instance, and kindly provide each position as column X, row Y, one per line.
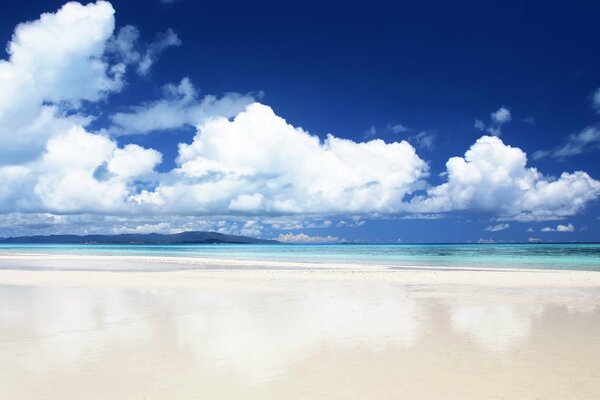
column 128, row 271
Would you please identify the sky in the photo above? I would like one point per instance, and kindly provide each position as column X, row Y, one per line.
column 312, row 122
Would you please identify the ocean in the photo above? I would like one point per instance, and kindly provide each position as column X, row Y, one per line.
column 529, row 256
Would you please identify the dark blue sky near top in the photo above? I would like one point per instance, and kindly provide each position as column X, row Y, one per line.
column 343, row 67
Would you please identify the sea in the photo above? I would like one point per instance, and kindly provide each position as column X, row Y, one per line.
column 570, row 256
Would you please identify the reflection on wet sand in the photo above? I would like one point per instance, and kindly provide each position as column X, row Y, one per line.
column 307, row 341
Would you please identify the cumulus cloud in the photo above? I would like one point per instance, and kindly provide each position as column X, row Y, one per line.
column 262, row 163
column 243, row 161
column 179, row 107
column 78, row 172
column 54, row 64
column 304, row 238
column 497, row 228
column 583, row 142
column 493, row 177
column 499, row 117
column 559, row 228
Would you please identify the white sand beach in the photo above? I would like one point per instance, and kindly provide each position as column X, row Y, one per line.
column 223, row 329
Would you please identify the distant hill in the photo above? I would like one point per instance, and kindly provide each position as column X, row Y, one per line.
column 134, row 238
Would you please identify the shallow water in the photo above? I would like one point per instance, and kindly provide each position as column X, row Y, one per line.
column 535, row 256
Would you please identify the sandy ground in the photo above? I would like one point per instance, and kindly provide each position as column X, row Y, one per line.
column 248, row 330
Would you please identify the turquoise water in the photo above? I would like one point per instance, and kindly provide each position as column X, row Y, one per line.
column 537, row 256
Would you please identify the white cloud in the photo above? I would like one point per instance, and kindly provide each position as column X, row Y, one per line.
column 129, row 50
column 559, row 228
column 529, row 120
column 498, row 117
column 354, row 223
column 160, row 227
column 583, row 142
column 55, row 63
column 497, row 228
column 493, row 177
column 423, row 216
column 397, row 128
column 247, row 202
column 370, row 133
column 179, row 107
column 78, row 172
column 164, row 41
column 124, row 45
column 81, row 171
column 501, row 116
column 254, row 164
column 304, row 238
column 296, row 222
column 259, row 153
column 423, row 140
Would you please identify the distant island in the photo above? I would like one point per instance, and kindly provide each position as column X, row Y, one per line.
column 193, row 237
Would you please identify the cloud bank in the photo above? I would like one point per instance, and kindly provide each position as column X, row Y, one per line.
column 244, row 159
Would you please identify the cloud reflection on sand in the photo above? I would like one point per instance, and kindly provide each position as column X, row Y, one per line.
column 496, row 326
column 255, row 335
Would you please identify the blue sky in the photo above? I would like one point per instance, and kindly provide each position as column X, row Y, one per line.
column 124, row 139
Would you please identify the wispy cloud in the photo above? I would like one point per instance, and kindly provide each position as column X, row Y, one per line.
column 370, row 133
column 424, row 216
column 529, row 120
column 127, row 47
column 397, row 128
column 585, row 141
column 180, row 106
column 423, row 140
column 498, row 118
column 304, row 238
column 596, row 100
column 497, row 228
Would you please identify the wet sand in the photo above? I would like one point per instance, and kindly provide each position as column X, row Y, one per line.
column 295, row 331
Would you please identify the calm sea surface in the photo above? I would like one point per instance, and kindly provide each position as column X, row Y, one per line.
column 538, row 256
